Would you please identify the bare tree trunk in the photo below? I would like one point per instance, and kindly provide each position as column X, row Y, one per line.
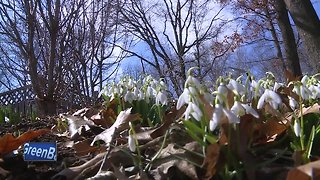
column 308, row 25
column 275, row 38
column 288, row 38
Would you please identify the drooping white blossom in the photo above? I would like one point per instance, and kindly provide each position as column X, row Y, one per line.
column 296, row 128
column 236, row 87
column 293, row 103
column 219, row 113
column 132, row 143
column 241, row 109
column 270, row 97
column 161, row 98
column 184, row 98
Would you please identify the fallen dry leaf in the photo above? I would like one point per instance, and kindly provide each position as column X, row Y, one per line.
column 121, row 123
column 267, row 132
column 212, row 161
column 305, row 172
column 313, row 109
column 8, row 142
column 76, row 124
column 83, row 148
column 174, row 162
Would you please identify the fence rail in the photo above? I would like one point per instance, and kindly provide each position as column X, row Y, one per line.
column 17, row 96
column 22, row 100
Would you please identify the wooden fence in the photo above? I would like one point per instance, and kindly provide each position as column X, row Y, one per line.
column 20, row 99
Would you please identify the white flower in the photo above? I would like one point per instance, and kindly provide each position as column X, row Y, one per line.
column 6, row 119
column 184, row 98
column 236, row 87
column 250, row 110
column 136, row 92
column 149, row 92
column 194, row 110
column 219, row 113
column 277, row 86
column 192, row 81
column 103, row 91
column 231, row 117
column 161, row 98
column 302, row 91
column 131, row 143
column 241, row 109
column 222, row 92
column 141, row 95
column 304, row 79
column 238, row 109
column 254, row 84
column 314, row 91
column 216, row 117
column 129, row 97
column 255, row 87
column 213, row 125
column 193, row 90
column 296, row 128
column 292, row 103
column 270, row 97
column 130, row 83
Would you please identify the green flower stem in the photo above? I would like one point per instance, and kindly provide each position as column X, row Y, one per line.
column 160, row 112
column 148, row 166
column 301, row 125
column 137, row 144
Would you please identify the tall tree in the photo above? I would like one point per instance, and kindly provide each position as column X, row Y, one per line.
column 308, row 25
column 290, row 46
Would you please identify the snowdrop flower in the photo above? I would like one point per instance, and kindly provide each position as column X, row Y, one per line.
column 270, row 97
column 314, row 91
column 255, row 87
column 130, row 83
column 254, row 84
column 292, row 103
column 149, row 92
column 216, row 117
column 161, row 98
column 136, row 93
column 192, row 81
column 141, row 95
column 277, row 86
column 131, row 142
column 220, row 113
column 296, row 128
column 6, row 119
column 302, row 91
column 194, row 110
column 236, row 87
column 238, row 109
column 222, row 92
column 193, row 91
column 129, row 97
column 233, row 119
column 305, row 79
column 103, row 91
column 184, row 98
column 241, row 109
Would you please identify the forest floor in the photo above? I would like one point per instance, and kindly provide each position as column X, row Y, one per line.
column 166, row 151
column 19, row 169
